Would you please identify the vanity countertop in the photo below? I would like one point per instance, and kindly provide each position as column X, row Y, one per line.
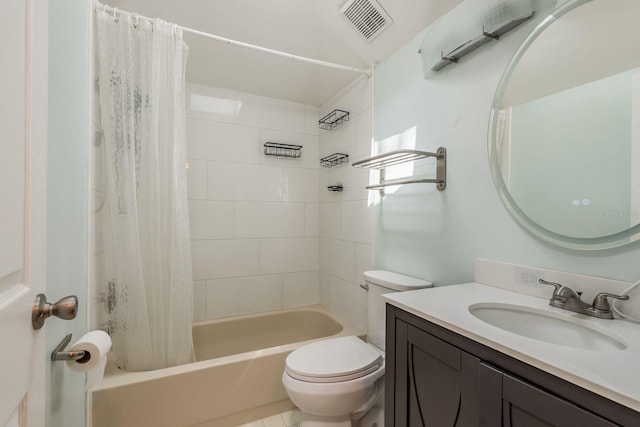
column 614, row 374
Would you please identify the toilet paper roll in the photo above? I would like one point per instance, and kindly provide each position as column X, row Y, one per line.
column 96, row 345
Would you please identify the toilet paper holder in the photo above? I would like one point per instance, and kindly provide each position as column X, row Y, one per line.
column 58, row 353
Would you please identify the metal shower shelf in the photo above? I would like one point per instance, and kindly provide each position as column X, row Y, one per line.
column 282, row 150
column 335, row 159
column 392, row 158
column 333, row 119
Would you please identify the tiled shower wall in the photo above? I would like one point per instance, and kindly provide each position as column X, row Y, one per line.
column 345, row 217
column 254, row 218
column 266, row 233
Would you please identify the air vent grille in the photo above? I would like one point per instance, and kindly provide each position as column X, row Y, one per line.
column 367, row 17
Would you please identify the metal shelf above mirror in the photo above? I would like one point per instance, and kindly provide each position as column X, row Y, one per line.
column 396, row 157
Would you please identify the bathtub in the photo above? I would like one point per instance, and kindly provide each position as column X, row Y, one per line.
column 236, row 378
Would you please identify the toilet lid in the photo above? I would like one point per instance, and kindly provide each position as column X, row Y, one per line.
column 333, row 360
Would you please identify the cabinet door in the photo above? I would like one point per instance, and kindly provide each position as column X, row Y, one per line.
column 511, row 402
column 436, row 383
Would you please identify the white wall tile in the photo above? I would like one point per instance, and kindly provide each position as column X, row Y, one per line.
column 364, row 261
column 269, row 219
column 199, row 300
column 270, row 113
column 312, row 219
column 209, row 103
column 243, row 295
column 309, row 157
column 357, row 221
column 311, row 117
column 197, row 179
column 330, row 220
column 349, row 301
column 289, row 255
column 214, row 259
column 300, row 289
column 211, row 219
column 223, row 142
column 236, row 181
column 300, row 185
column 364, row 133
column 327, row 178
column 338, row 258
column 339, row 140
column 325, row 289
column 354, row 181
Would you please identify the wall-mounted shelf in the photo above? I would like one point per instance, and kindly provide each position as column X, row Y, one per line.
column 333, row 119
column 335, row 159
column 392, row 158
column 334, row 188
column 486, row 36
column 282, row 150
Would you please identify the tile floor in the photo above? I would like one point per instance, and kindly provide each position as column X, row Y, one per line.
column 285, row 419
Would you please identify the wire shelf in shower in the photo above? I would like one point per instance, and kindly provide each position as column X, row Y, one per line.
column 282, row 150
column 333, row 119
column 334, row 159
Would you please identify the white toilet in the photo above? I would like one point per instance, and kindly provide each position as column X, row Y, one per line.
column 335, row 382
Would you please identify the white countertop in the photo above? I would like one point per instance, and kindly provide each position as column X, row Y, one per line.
column 614, row 374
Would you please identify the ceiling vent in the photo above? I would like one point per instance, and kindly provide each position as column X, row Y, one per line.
column 367, row 17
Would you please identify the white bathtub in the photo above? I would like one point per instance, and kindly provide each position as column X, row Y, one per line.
column 236, row 378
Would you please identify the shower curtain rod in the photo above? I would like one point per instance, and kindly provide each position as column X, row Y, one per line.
column 232, row 42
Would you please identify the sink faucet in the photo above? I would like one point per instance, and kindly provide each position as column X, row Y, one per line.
column 567, row 299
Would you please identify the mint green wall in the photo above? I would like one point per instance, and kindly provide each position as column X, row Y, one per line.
column 580, row 137
column 67, row 197
column 438, row 235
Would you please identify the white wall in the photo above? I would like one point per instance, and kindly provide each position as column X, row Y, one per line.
column 437, row 235
column 345, row 217
column 254, row 218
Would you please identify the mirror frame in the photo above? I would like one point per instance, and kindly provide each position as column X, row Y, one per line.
column 621, row 238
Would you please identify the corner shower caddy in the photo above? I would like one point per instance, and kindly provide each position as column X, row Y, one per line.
column 333, row 119
column 392, row 158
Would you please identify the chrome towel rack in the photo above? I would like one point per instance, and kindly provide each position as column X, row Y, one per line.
column 392, row 158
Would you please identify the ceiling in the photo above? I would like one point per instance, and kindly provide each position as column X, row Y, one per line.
column 311, row 28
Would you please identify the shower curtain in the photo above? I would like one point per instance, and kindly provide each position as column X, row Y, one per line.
column 146, row 277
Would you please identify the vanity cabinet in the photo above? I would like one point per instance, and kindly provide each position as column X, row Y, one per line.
column 438, row 378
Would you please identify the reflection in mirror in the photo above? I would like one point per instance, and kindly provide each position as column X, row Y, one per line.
column 565, row 130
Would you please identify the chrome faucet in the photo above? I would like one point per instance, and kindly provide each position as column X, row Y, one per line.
column 567, row 299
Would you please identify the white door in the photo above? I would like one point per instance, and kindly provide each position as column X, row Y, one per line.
column 23, row 127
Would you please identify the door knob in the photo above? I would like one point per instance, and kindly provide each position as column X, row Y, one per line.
column 66, row 308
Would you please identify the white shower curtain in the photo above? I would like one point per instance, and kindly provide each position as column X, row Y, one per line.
column 147, row 283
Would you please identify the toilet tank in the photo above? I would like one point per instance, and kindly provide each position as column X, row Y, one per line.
column 385, row 282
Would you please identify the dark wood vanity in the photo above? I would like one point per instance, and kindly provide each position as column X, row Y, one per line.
column 435, row 377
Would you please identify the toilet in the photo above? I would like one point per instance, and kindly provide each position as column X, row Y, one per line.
column 335, row 382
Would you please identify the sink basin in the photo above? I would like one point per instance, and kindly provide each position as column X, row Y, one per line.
column 547, row 326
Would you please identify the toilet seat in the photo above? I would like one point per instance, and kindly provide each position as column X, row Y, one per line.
column 333, row 360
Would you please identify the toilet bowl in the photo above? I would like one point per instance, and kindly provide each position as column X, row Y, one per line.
column 332, row 379
column 335, row 382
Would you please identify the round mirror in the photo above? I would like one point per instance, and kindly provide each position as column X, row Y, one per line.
column 564, row 136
